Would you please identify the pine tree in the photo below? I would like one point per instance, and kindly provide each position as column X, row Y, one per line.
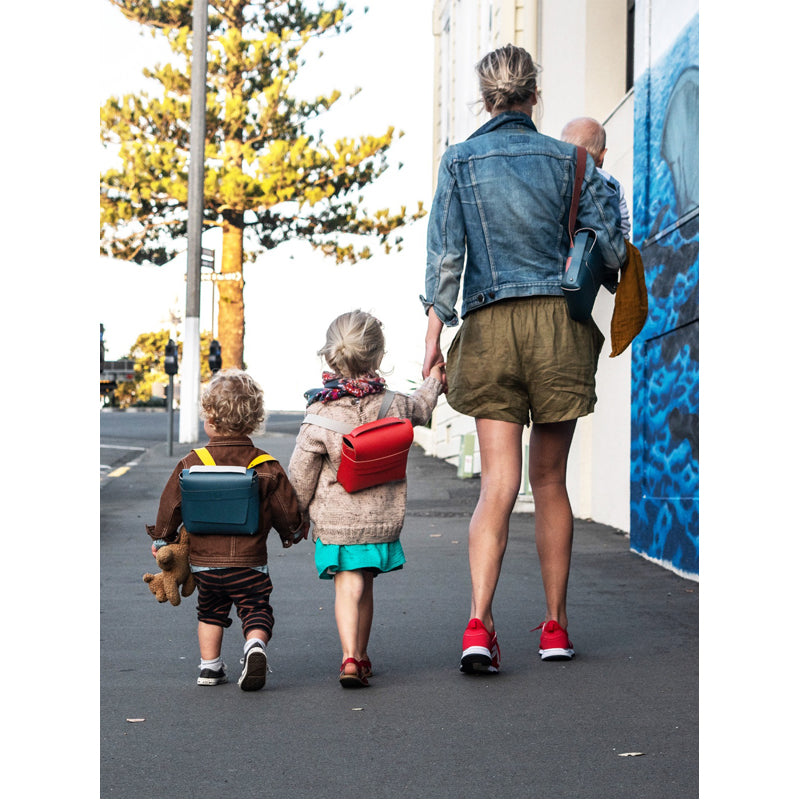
column 269, row 175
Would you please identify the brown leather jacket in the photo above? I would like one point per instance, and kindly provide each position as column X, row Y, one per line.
column 279, row 508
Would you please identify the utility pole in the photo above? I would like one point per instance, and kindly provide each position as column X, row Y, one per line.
column 190, row 363
column 171, row 368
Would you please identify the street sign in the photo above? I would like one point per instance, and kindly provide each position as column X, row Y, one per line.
column 219, row 276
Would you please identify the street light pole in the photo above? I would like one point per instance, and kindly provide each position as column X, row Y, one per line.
column 190, row 364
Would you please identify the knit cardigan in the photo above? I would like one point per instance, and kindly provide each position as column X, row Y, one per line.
column 373, row 515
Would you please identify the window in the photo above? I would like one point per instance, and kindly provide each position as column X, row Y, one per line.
column 629, row 45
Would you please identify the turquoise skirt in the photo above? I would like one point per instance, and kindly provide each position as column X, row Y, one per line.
column 333, row 558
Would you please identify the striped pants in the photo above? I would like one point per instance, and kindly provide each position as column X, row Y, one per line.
column 248, row 589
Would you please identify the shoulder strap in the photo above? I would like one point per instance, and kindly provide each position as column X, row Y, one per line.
column 208, row 460
column 260, row 460
column 580, row 171
column 343, row 427
column 388, row 396
column 325, row 422
column 205, row 456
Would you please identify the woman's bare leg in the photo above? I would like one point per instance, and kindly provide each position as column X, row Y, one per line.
column 549, row 449
column 501, row 471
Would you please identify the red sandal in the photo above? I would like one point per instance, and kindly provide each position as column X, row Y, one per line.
column 352, row 680
column 366, row 667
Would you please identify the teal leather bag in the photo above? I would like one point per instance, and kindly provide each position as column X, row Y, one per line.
column 584, row 271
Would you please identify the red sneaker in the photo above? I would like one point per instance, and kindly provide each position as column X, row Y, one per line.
column 479, row 650
column 554, row 643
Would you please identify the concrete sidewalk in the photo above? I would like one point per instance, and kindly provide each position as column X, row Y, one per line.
column 422, row 729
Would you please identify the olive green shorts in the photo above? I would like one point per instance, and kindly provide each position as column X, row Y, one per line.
column 524, row 359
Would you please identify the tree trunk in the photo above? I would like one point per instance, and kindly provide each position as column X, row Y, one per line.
column 230, row 316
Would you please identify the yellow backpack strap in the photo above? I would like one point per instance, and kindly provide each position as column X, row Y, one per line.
column 205, row 456
column 260, row 460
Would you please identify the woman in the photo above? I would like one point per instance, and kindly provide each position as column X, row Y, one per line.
column 498, row 225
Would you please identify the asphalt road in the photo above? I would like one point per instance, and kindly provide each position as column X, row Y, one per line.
column 421, row 729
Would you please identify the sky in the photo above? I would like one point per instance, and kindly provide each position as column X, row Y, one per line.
column 292, row 293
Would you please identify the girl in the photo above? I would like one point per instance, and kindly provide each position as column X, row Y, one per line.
column 356, row 535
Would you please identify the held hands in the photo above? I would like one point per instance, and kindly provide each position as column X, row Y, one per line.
column 434, row 360
column 434, row 363
column 437, row 370
column 300, row 534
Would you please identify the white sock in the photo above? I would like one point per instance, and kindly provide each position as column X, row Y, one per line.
column 215, row 665
column 250, row 643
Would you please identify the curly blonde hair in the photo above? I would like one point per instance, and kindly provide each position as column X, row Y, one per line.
column 354, row 344
column 507, row 77
column 233, row 403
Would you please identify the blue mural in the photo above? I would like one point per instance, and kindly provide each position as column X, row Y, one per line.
column 665, row 355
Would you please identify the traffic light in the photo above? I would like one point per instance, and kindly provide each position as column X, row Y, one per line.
column 171, row 358
column 214, row 356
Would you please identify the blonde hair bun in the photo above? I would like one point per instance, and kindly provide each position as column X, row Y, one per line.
column 507, row 77
column 354, row 344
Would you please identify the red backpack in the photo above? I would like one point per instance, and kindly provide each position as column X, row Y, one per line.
column 373, row 453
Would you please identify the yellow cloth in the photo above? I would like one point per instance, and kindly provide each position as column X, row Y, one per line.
column 630, row 303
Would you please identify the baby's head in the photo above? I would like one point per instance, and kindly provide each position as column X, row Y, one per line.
column 354, row 344
column 588, row 133
column 233, row 403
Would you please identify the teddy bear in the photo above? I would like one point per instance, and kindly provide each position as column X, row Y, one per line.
column 175, row 578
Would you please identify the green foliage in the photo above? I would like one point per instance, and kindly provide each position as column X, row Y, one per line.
column 266, row 171
column 147, row 354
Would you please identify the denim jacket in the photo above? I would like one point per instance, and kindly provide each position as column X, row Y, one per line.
column 502, row 200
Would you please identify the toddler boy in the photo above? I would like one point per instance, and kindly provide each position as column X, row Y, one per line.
column 232, row 569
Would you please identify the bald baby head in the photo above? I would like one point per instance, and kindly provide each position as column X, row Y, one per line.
column 588, row 133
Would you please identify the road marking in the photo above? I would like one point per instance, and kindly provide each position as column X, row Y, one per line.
column 120, row 470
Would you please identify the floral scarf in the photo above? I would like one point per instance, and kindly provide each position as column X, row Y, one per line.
column 335, row 386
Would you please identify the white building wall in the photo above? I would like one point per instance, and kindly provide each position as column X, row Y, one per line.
column 580, row 45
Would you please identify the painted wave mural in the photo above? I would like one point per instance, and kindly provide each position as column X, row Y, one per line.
column 666, row 358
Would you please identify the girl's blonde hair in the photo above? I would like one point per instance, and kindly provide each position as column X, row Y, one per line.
column 507, row 77
column 233, row 403
column 354, row 344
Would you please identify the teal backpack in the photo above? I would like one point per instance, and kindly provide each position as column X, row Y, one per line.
column 221, row 500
